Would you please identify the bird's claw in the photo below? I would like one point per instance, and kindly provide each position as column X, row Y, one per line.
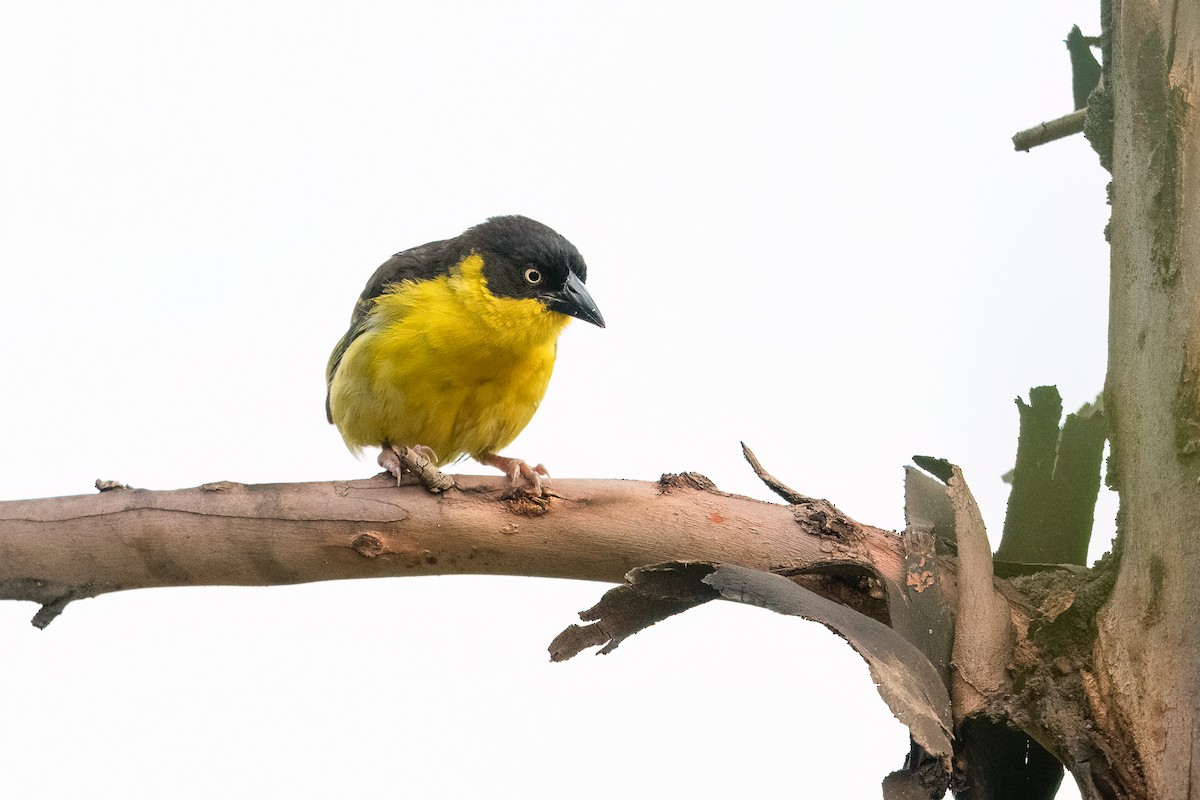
column 425, row 452
column 517, row 471
column 390, row 461
column 535, row 476
column 392, row 458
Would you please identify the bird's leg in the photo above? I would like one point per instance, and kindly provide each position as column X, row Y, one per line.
column 389, row 459
column 516, row 470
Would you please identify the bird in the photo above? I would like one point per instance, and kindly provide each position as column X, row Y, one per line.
column 451, row 346
column 1085, row 69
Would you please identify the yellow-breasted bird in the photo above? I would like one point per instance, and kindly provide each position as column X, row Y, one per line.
column 451, row 345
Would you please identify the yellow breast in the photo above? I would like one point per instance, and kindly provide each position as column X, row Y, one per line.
column 447, row 364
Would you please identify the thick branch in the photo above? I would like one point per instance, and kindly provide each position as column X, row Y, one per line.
column 59, row 549
column 56, row 550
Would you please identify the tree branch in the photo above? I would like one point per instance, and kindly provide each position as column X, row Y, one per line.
column 60, row 549
column 56, row 550
column 1046, row 132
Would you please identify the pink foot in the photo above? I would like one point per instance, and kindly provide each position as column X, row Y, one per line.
column 517, row 470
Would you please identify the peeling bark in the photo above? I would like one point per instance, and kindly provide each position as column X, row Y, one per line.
column 907, row 682
column 650, row 595
column 982, row 635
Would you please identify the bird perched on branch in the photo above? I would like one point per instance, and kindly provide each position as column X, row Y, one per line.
column 1085, row 69
column 451, row 345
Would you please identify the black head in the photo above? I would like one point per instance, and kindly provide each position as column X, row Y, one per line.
column 523, row 258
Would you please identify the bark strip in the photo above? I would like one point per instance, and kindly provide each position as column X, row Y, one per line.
column 982, row 633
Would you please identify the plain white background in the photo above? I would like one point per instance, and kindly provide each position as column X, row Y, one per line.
column 805, row 226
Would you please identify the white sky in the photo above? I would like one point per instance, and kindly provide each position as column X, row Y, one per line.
column 805, row 226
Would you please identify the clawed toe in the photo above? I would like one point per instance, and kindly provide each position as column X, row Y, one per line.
column 535, row 476
column 426, row 452
column 390, row 460
column 518, row 471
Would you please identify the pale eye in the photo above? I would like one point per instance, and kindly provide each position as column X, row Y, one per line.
column 533, row 277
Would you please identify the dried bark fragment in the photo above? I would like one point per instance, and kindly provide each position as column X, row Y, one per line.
column 685, row 480
column 982, row 636
column 929, row 518
column 906, row 680
column 650, row 595
column 926, row 505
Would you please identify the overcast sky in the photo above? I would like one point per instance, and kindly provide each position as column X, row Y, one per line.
column 804, row 224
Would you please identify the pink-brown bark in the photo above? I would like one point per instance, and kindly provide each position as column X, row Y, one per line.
column 234, row 534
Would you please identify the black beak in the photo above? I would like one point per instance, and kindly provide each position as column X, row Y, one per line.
column 574, row 301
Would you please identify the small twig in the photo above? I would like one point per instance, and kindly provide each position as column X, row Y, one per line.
column 425, row 471
column 1049, row 131
column 774, row 484
column 50, row 611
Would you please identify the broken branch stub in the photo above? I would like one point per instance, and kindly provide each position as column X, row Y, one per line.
column 982, row 635
column 906, row 681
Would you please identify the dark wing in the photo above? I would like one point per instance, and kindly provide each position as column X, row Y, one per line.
column 418, row 264
column 1085, row 69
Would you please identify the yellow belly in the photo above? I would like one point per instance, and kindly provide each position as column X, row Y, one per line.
column 446, row 364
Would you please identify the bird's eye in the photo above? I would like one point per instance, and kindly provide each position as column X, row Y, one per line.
column 533, row 277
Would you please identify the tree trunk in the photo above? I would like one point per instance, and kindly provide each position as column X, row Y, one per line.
column 1147, row 652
